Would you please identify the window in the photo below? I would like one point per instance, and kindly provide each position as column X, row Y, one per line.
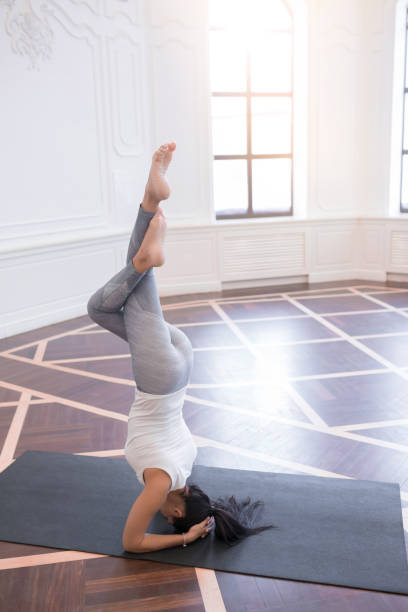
column 404, row 161
column 398, row 187
column 251, row 49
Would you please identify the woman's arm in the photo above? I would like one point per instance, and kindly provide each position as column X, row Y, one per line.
column 152, row 542
column 156, row 542
column 145, row 507
column 135, row 539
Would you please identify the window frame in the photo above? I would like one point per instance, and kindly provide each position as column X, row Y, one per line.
column 404, row 209
column 399, row 91
column 248, row 95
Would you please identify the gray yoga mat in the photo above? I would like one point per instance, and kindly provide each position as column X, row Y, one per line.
column 329, row 530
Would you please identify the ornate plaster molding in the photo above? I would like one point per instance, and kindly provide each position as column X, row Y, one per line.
column 28, row 27
column 27, row 23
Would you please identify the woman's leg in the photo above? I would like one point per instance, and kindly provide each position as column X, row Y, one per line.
column 162, row 355
column 105, row 306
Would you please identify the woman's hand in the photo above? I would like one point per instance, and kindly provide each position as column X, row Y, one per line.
column 200, row 530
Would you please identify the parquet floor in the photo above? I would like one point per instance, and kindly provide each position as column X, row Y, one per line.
column 310, row 380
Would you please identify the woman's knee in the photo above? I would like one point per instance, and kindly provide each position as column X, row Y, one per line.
column 92, row 309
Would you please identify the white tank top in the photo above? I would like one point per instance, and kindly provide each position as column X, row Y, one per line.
column 158, row 437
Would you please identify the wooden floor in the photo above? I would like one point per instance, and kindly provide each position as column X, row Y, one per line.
column 310, row 380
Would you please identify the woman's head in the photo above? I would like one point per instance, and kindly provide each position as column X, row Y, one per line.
column 233, row 519
column 175, row 506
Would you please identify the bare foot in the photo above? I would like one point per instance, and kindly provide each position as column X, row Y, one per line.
column 151, row 252
column 157, row 187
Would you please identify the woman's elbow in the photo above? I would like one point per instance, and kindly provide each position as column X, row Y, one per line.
column 131, row 546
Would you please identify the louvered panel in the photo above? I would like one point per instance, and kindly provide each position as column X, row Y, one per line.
column 263, row 256
column 399, row 249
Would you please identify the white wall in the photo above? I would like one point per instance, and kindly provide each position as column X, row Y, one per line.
column 351, row 59
column 94, row 87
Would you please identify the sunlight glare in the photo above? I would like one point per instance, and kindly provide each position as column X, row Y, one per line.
column 247, row 18
column 260, row 29
column 271, row 374
column 271, row 369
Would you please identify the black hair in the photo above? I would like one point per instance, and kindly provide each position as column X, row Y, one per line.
column 233, row 519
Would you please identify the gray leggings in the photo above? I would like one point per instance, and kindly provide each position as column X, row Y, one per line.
column 128, row 305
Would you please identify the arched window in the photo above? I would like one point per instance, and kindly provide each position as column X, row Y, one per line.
column 404, row 160
column 399, row 140
column 252, row 57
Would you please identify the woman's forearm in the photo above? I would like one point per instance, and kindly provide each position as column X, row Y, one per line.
column 152, row 541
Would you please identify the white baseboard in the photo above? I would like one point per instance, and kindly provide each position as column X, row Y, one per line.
column 332, row 275
column 167, row 289
column 344, row 275
column 367, row 275
column 265, row 282
column 397, row 278
column 45, row 284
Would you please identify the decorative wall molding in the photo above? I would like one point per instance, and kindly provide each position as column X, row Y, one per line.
column 341, row 17
column 27, row 25
column 399, row 250
column 130, row 10
column 334, row 246
column 126, row 67
column 268, row 252
column 336, row 152
column 161, row 13
column 173, row 63
column 200, row 259
column 28, row 22
column 40, row 225
column 159, row 48
column 113, row 32
column 350, row 98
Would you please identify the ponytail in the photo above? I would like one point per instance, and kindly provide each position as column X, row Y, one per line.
column 234, row 520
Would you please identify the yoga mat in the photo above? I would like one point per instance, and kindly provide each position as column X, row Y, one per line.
column 329, row 530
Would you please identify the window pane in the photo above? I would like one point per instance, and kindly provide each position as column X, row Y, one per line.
column 271, row 59
column 249, row 14
column 219, row 12
column 271, row 185
column 405, row 145
column 269, row 14
column 404, row 183
column 406, row 60
column 229, row 125
column 228, row 61
column 271, row 125
column 230, row 186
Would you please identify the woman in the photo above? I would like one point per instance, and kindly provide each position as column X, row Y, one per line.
column 159, row 445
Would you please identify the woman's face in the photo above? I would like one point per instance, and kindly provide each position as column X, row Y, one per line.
column 174, row 506
column 167, row 515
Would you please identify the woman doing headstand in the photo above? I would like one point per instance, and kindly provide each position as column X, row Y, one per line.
column 159, row 445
